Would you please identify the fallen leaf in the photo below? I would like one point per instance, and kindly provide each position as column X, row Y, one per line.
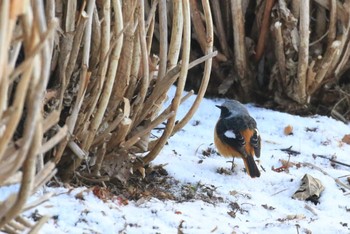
column 326, row 142
column 209, row 151
column 236, row 193
column 232, row 214
column 268, row 207
column 311, row 129
column 346, row 139
column 310, row 189
column 223, row 171
column 80, row 195
column 292, row 217
column 288, row 130
column 100, row 192
column 142, row 171
column 279, row 169
column 122, row 201
column 296, row 217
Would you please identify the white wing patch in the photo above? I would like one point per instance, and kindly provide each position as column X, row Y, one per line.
column 230, row 134
column 257, row 132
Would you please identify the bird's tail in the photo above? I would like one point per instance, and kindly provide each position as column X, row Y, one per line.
column 251, row 167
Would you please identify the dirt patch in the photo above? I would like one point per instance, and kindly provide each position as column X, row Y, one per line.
column 158, row 184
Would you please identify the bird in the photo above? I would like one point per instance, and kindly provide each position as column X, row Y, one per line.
column 236, row 135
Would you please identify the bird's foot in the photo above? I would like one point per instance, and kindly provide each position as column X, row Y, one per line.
column 233, row 165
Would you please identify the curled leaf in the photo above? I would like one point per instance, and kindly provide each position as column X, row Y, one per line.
column 310, row 189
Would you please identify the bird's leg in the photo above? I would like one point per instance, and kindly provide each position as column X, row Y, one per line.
column 233, row 164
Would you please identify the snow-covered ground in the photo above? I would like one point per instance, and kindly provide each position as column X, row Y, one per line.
column 241, row 204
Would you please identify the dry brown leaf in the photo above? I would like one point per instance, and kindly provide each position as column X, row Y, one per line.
column 346, row 139
column 142, row 170
column 120, row 167
column 80, row 196
column 121, row 201
column 101, row 193
column 288, row 130
column 286, row 164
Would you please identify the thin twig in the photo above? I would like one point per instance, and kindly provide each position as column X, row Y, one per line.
column 312, row 210
column 331, row 160
column 337, row 181
column 279, row 192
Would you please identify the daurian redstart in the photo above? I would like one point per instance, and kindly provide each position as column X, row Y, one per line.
column 236, row 135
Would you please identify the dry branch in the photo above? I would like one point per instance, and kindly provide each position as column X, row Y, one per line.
column 163, row 38
column 264, row 29
column 113, row 107
column 176, row 35
column 209, row 38
column 303, row 62
column 240, row 58
column 279, row 51
column 332, row 22
column 324, row 65
column 25, row 122
column 239, row 40
column 145, row 79
column 180, row 85
column 126, row 56
column 220, row 29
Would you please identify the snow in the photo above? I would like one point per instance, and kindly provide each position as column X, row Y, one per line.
column 260, row 205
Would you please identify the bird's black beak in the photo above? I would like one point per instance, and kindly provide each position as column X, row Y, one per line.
column 224, row 111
